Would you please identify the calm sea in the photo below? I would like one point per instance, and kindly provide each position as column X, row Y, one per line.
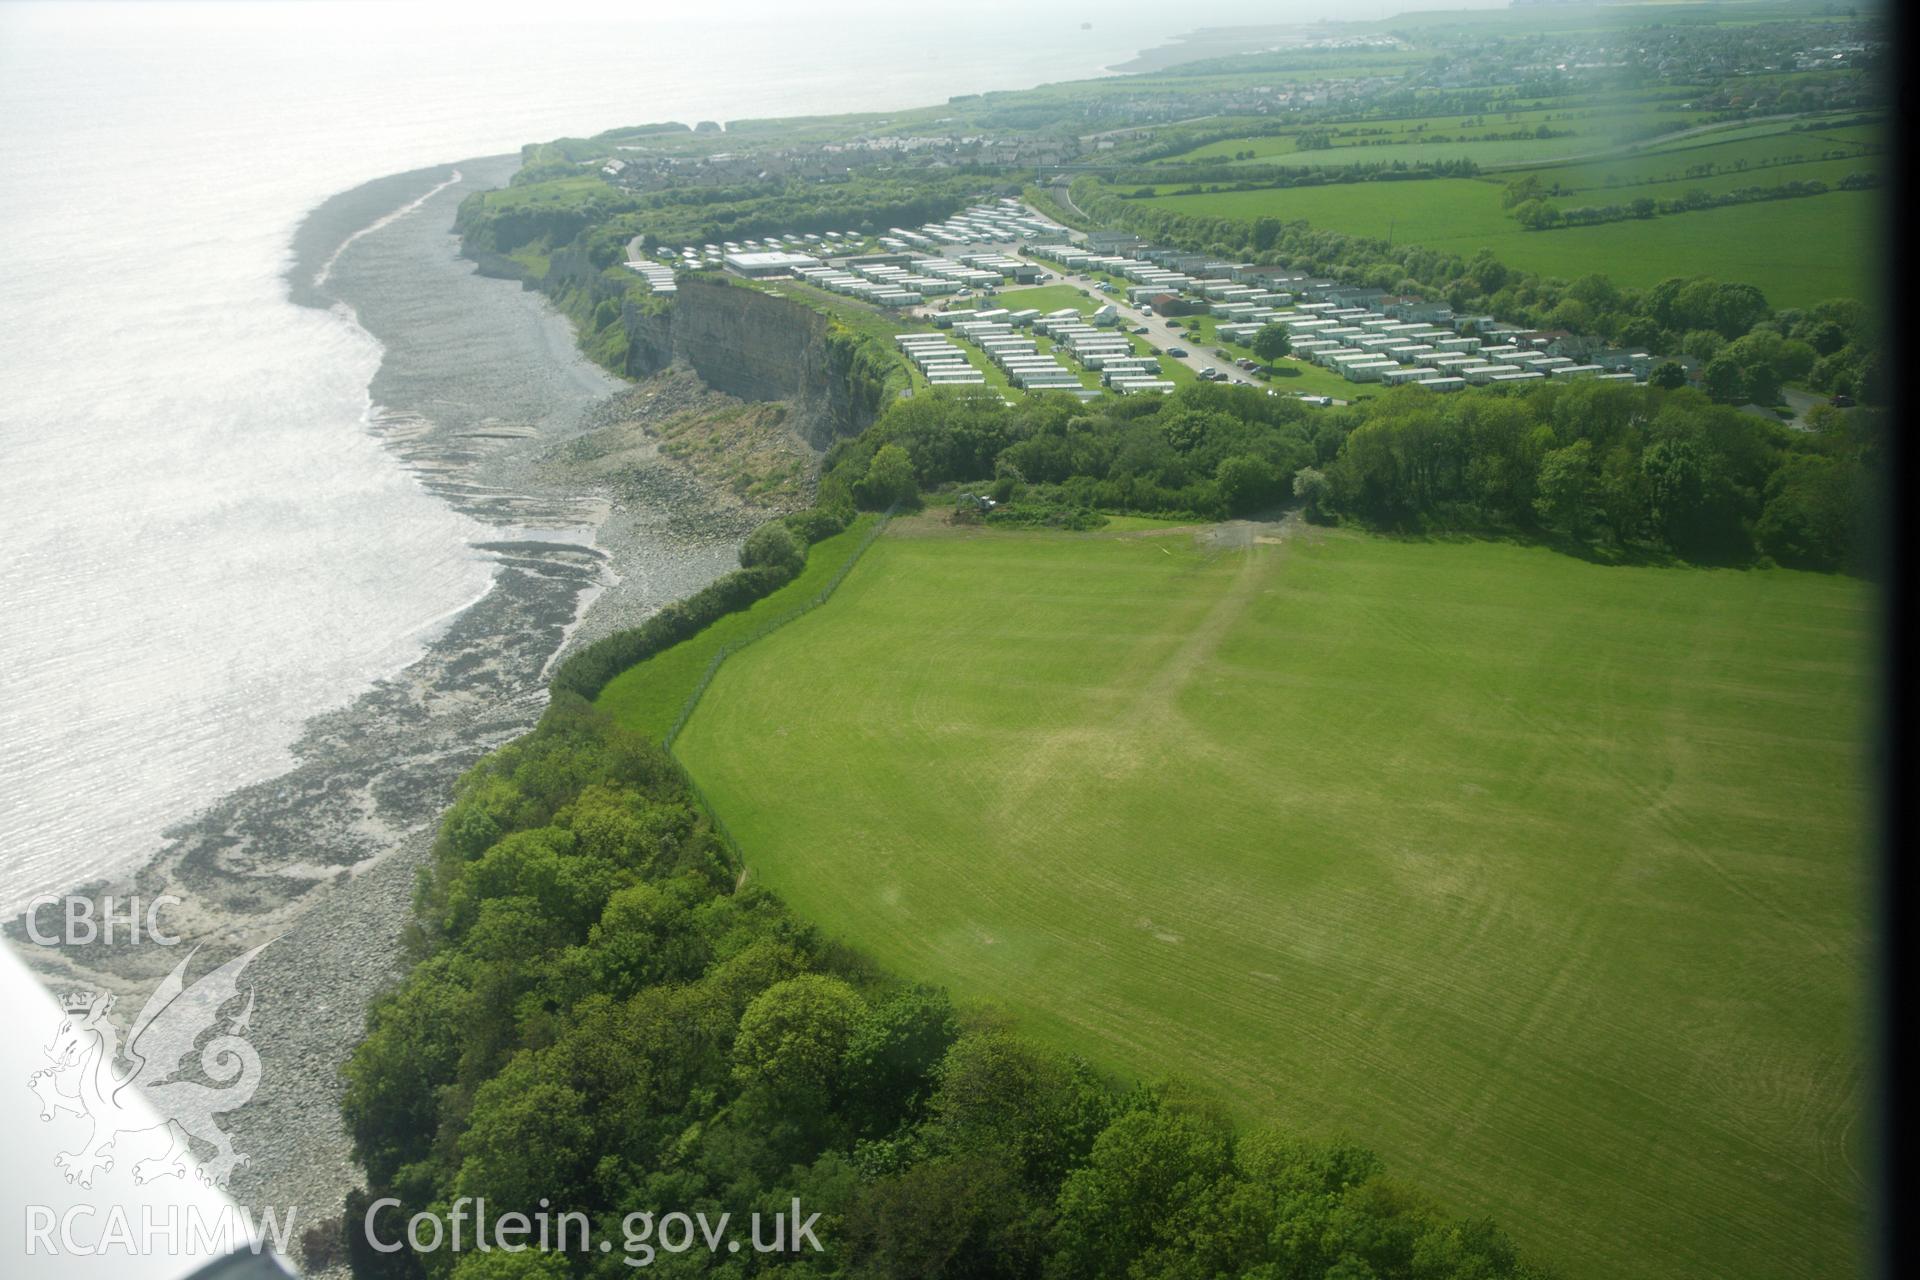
column 200, row 543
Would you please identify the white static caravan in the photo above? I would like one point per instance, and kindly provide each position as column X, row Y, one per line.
column 1572, row 371
column 1481, row 374
column 1532, row 375
column 1369, row 370
column 1345, row 356
column 1443, row 384
column 1397, row 377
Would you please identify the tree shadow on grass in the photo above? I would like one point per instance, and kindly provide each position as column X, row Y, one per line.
column 1607, row 555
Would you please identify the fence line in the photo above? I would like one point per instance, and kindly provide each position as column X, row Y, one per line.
column 726, row 650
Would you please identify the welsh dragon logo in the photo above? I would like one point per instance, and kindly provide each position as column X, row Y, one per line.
column 93, row 1077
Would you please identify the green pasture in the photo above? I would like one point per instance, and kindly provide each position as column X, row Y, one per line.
column 1797, row 251
column 1544, row 878
column 1580, row 129
column 648, row 697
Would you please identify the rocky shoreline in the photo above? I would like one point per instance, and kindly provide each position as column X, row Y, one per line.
column 480, row 392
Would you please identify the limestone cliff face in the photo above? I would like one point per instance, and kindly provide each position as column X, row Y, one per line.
column 757, row 347
column 747, row 344
column 740, row 341
column 649, row 340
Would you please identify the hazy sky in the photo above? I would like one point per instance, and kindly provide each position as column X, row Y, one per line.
column 675, row 13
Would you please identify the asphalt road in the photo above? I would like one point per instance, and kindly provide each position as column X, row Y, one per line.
column 1159, row 333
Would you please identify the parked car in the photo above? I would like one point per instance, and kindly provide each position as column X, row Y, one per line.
column 1246, row 364
column 1140, row 328
column 1178, row 353
column 1841, row 402
column 1209, row 375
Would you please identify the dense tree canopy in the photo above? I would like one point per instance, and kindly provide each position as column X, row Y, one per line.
column 1603, row 466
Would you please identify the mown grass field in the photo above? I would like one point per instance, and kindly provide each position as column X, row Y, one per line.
column 1797, row 252
column 649, row 696
column 1541, row 877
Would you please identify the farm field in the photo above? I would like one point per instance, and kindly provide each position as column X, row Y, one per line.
column 1751, row 159
column 1365, row 141
column 1543, row 878
column 649, row 697
column 1428, row 211
column 1796, row 251
column 1830, row 172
